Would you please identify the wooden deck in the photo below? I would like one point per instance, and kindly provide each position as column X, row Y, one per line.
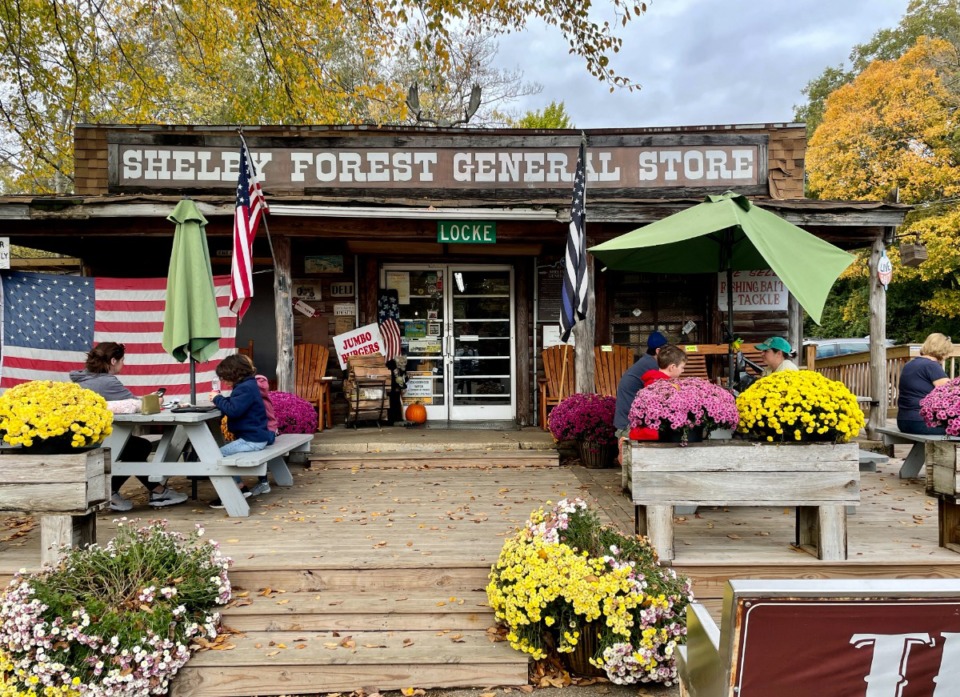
column 374, row 577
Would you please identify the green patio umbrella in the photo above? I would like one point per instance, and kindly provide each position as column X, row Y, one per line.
column 728, row 233
column 191, row 326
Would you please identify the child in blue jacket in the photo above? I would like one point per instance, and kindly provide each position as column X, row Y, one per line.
column 244, row 409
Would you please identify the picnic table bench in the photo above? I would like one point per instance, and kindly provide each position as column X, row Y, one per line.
column 819, row 479
column 197, row 429
column 830, row 638
column 916, row 458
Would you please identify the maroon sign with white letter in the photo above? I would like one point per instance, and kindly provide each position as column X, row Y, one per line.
column 849, row 648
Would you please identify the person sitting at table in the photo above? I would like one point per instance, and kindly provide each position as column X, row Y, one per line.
column 245, row 412
column 776, row 354
column 104, row 363
column 917, row 380
column 671, row 360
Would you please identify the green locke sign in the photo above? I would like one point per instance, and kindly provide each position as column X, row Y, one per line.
column 466, row 232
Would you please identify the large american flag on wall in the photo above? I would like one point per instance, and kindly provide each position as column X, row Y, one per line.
column 51, row 321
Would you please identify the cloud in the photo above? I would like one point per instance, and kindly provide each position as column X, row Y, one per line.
column 702, row 61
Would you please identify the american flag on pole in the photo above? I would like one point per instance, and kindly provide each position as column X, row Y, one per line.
column 51, row 321
column 251, row 207
column 388, row 314
column 573, row 305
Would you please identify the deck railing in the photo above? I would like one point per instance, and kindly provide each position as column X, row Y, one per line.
column 853, row 370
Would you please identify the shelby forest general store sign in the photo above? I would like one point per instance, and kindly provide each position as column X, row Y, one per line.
column 534, row 162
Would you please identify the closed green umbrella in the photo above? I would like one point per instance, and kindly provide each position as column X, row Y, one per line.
column 191, row 326
column 728, row 233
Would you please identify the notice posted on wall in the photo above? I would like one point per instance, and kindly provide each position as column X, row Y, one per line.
column 551, row 336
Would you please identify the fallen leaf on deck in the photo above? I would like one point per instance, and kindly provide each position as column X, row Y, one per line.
column 272, row 653
column 734, row 536
column 407, row 642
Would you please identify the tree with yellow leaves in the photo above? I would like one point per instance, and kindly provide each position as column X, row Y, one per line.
column 64, row 62
column 891, row 135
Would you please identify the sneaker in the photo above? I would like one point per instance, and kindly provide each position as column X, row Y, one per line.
column 260, row 488
column 168, row 497
column 118, row 503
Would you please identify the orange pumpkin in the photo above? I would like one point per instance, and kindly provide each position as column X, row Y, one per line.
column 417, row 413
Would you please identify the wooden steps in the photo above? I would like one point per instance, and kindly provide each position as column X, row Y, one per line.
column 363, row 611
column 274, row 663
column 337, row 630
column 437, row 459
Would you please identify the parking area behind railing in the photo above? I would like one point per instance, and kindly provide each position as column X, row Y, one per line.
column 853, row 370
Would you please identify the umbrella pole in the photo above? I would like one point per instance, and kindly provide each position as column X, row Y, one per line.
column 193, row 379
column 731, row 361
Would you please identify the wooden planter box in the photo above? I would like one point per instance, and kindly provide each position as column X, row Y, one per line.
column 63, row 489
column 820, row 479
column 943, row 481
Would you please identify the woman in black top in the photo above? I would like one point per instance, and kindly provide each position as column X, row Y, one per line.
column 917, row 380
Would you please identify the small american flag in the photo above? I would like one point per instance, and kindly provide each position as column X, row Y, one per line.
column 50, row 322
column 574, row 292
column 251, row 207
column 388, row 312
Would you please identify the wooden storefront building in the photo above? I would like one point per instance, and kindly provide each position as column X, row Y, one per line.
column 468, row 226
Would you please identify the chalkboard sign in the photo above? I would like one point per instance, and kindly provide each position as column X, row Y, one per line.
column 549, row 285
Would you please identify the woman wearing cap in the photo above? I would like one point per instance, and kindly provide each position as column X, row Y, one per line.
column 776, row 352
column 917, row 380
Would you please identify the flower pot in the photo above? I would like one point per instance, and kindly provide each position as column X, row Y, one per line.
column 58, row 445
column 687, row 434
column 579, row 660
column 595, row 456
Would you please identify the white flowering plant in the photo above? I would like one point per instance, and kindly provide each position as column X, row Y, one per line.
column 113, row 620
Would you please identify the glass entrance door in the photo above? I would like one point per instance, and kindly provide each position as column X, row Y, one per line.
column 456, row 325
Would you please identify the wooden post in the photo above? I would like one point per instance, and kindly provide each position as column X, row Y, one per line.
column 283, row 308
column 878, row 352
column 524, row 383
column 584, row 331
column 795, row 325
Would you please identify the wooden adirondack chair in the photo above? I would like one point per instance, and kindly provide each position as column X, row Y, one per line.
column 700, row 357
column 246, row 351
column 311, row 367
column 609, row 367
column 558, row 381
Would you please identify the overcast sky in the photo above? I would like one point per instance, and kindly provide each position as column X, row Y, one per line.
column 702, row 61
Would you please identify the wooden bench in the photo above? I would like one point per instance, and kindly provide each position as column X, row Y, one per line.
column 65, row 491
column 916, row 458
column 819, row 479
column 222, row 470
column 830, row 638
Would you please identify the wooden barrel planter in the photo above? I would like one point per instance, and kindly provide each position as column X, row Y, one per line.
column 579, row 660
column 64, row 490
column 595, row 456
